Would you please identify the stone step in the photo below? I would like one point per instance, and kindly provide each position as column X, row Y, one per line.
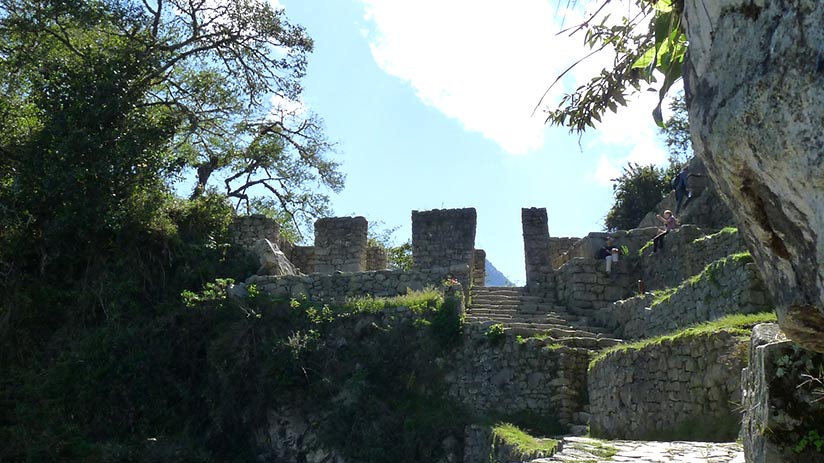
column 515, row 314
column 494, row 304
column 495, row 301
column 554, row 331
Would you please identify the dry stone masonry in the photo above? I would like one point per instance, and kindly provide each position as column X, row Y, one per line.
column 729, row 286
column 340, row 244
column 376, row 258
column 445, row 238
column 666, row 389
column 537, row 255
column 506, row 376
column 782, row 392
column 684, row 388
column 687, row 251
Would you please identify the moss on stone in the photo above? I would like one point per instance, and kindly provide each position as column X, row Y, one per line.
column 517, row 438
column 723, row 231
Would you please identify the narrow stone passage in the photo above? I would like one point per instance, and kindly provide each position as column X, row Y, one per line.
column 582, row 449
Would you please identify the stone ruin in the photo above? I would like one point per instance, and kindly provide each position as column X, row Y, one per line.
column 582, row 310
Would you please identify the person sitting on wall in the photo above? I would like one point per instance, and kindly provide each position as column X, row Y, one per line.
column 669, row 224
column 608, row 253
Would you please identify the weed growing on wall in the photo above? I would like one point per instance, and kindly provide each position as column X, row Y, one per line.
column 798, row 385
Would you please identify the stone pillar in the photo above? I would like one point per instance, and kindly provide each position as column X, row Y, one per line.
column 445, row 239
column 340, row 244
column 246, row 231
column 376, row 258
column 539, row 274
column 479, row 268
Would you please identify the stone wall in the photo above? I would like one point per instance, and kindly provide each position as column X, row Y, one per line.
column 337, row 287
column 445, row 239
column 303, row 257
column 538, row 261
column 505, row 376
column 247, row 230
column 481, row 445
column 776, row 396
column 684, row 389
column 479, row 268
column 729, row 286
column 340, row 244
column 687, row 250
column 558, row 250
column 583, row 285
column 587, row 246
column 376, row 258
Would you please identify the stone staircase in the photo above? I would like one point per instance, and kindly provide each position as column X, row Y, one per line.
column 523, row 314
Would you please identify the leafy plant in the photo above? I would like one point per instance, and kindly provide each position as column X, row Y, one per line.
column 640, row 55
column 495, row 333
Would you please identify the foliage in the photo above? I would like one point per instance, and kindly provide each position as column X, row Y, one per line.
column 196, row 383
column 676, row 132
column 637, row 191
column 107, row 103
column 810, row 440
column 399, row 257
column 495, row 333
column 448, row 322
column 640, row 53
column 798, row 385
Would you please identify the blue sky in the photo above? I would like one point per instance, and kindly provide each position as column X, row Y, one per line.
column 431, row 105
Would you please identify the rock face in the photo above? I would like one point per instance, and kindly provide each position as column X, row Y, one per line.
column 779, row 395
column 754, row 82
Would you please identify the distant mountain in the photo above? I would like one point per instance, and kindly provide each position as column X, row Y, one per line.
column 494, row 277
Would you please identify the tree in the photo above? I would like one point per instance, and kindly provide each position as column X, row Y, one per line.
column 398, row 257
column 107, row 102
column 641, row 55
column 676, row 132
column 637, row 191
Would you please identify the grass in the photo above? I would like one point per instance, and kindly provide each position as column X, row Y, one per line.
column 711, row 273
column 523, row 442
column 662, row 295
column 739, row 324
column 723, row 231
column 417, row 301
column 644, row 248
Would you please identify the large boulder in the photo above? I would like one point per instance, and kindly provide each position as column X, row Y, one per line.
column 754, row 80
column 272, row 260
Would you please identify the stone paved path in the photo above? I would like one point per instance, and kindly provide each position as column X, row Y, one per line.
column 582, row 449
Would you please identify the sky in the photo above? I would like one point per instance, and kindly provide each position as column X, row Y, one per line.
column 432, row 105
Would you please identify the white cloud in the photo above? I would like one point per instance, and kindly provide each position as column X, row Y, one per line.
column 482, row 62
column 486, row 63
